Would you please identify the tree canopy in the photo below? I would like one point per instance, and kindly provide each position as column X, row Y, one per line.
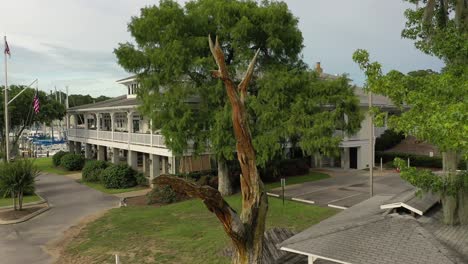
column 434, row 105
column 286, row 101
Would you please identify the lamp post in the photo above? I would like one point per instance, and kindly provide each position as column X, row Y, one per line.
column 371, row 147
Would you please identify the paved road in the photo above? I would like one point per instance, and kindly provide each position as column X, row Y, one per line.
column 345, row 188
column 22, row 243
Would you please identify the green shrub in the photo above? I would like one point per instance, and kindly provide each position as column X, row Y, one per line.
column 72, row 162
column 93, row 169
column 142, row 180
column 56, row 159
column 163, row 194
column 118, row 177
column 388, row 140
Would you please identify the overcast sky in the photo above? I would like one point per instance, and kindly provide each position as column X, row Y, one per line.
column 70, row 42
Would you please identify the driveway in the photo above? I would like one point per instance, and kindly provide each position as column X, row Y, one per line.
column 22, row 243
column 345, row 188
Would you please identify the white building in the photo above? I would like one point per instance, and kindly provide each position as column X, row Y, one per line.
column 113, row 130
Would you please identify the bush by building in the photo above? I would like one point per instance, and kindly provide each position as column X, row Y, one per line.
column 164, row 194
column 58, row 157
column 142, row 180
column 93, row 169
column 72, row 162
column 118, row 177
column 415, row 160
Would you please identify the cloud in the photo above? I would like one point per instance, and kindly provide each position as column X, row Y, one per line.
column 71, row 42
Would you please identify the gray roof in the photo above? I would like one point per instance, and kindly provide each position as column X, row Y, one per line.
column 365, row 234
column 118, row 101
column 410, row 200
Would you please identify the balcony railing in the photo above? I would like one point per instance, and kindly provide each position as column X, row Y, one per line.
column 122, row 137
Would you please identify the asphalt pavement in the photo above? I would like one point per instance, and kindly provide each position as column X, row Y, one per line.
column 70, row 202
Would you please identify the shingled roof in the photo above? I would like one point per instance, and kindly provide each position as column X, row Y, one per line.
column 119, row 101
column 365, row 234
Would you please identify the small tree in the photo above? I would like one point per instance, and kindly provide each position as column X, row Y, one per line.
column 16, row 178
column 438, row 108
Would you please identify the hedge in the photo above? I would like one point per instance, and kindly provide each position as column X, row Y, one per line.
column 58, row 157
column 415, row 160
column 118, row 177
column 72, row 162
column 93, row 169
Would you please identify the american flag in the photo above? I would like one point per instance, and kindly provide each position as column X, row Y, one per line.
column 36, row 104
column 7, row 49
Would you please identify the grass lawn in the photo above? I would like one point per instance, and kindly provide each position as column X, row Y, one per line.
column 100, row 187
column 26, row 199
column 45, row 165
column 312, row 176
column 184, row 232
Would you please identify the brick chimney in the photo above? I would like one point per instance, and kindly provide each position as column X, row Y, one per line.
column 318, row 69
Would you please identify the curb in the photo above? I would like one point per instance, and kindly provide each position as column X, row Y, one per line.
column 29, row 216
column 26, row 218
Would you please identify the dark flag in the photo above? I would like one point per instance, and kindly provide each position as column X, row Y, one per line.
column 7, row 49
column 36, row 104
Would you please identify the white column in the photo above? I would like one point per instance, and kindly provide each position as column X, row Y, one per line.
column 115, row 156
column 151, row 132
column 146, row 159
column 112, row 116
column 155, row 167
column 311, row 259
column 75, row 121
column 132, row 159
column 86, row 125
column 164, row 165
column 98, row 122
column 172, row 165
column 345, row 158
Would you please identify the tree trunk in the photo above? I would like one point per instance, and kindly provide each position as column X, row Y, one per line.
column 450, row 203
column 224, row 181
column 20, row 200
column 247, row 230
column 13, row 195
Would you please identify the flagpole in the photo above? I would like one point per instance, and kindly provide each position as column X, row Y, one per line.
column 7, row 128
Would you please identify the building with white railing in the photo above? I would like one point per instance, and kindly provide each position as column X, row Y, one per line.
column 354, row 150
column 115, row 131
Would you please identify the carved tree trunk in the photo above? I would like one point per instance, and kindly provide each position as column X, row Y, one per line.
column 246, row 231
column 224, row 181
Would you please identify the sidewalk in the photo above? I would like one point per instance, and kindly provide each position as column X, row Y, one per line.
column 133, row 194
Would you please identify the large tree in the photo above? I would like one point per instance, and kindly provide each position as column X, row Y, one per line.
column 434, row 105
column 247, row 229
column 173, row 65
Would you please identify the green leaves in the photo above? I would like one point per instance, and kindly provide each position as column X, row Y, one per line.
column 287, row 104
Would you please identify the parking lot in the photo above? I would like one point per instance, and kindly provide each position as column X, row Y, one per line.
column 344, row 188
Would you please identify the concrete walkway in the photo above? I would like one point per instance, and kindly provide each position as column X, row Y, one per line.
column 345, row 188
column 133, row 194
column 70, row 201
